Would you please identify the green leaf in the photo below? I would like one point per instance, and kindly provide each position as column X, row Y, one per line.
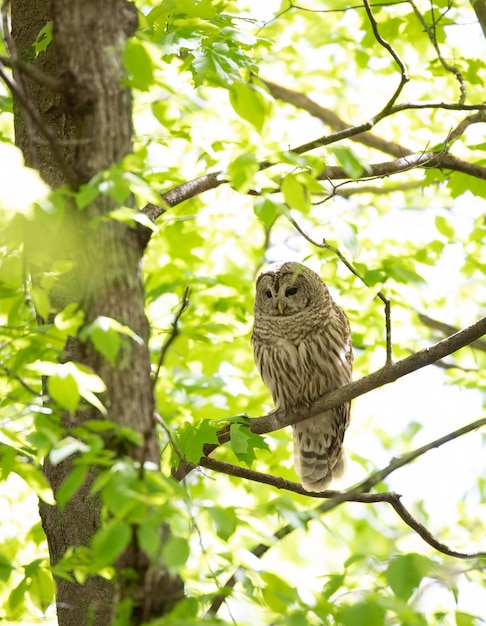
column 41, row 301
column 149, row 538
column 6, row 568
column 334, row 582
column 220, row 65
column 71, row 484
column 266, row 210
column 36, row 481
column 88, row 382
column 192, row 438
column 346, row 233
column 466, row 619
column 132, row 217
column 104, row 334
column 63, row 389
column 296, row 619
column 242, row 171
column 70, row 319
column 66, row 448
column 44, row 38
column 86, row 195
column 350, row 163
column 405, row 572
column 295, row 193
column 110, row 541
column 138, row 64
column 362, row 614
column 41, row 587
column 175, row 552
column 250, row 103
column 277, row 593
column 244, row 443
column 17, row 597
column 225, row 521
column 401, row 270
column 444, row 226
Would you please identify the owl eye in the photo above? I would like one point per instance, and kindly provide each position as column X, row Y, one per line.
column 268, row 293
column 290, row 291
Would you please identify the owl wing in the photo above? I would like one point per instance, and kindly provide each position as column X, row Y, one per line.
column 318, row 452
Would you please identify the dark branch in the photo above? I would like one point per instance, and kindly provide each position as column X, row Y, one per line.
column 433, row 40
column 33, row 72
column 403, row 70
column 390, row 373
column 448, row 329
column 329, row 118
column 173, row 333
column 34, row 116
column 427, row 160
column 325, row 245
column 358, row 493
column 277, row 419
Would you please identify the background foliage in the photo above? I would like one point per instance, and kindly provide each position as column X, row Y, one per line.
column 201, row 105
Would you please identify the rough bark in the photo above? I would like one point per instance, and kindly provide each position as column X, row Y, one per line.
column 91, row 120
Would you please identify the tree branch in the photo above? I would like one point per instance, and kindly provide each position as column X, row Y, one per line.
column 69, row 174
column 33, row 72
column 329, row 118
column 433, row 40
column 325, row 245
column 403, row 70
column 448, row 329
column 277, row 419
column 479, row 7
column 390, row 373
column 429, row 160
column 359, row 493
column 184, row 303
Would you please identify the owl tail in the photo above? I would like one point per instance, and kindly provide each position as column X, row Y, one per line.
column 318, row 455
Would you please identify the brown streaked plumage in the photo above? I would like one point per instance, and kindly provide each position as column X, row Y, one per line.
column 302, row 346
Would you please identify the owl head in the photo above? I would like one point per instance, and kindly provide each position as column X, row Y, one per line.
column 286, row 289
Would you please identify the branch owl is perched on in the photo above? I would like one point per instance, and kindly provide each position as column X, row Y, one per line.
column 302, row 346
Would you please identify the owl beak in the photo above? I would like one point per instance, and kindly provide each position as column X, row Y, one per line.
column 281, row 307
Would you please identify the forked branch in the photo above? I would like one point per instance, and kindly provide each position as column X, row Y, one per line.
column 277, row 419
column 359, row 493
column 388, row 374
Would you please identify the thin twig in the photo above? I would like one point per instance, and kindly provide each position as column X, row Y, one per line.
column 475, row 118
column 335, row 498
column 184, row 303
column 327, row 246
column 358, row 493
column 403, row 70
column 433, row 40
column 33, row 72
column 20, row 380
column 449, row 329
column 428, row 160
column 396, row 463
column 158, row 418
column 69, row 174
column 329, row 117
column 277, row 419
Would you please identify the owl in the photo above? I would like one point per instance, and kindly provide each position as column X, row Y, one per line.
column 302, row 347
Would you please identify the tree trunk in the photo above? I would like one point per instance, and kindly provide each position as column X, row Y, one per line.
column 90, row 120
